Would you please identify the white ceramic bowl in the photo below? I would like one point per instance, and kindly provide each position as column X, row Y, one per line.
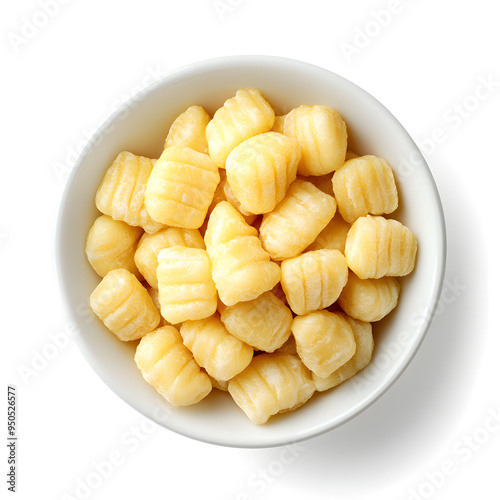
column 140, row 126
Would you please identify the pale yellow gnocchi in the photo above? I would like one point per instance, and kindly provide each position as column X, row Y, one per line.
column 168, row 365
column 369, row 299
column 363, row 337
column 185, row 284
column 325, row 341
column 124, row 305
column 241, row 268
column 264, row 323
column 181, row 187
column 365, row 185
column 296, row 221
column 376, row 247
column 261, row 169
column 150, row 245
column 322, row 134
column 188, row 130
column 121, row 194
column 313, row 280
column 241, row 117
column 271, row 384
column 111, row 244
column 221, row 354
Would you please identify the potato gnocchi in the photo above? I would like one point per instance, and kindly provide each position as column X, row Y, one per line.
column 181, row 187
column 188, row 130
column 263, row 250
column 296, row 221
column 363, row 337
column 169, row 366
column 261, row 169
column 271, row 384
column 264, row 323
column 322, row 135
column 242, row 269
column 111, row 244
column 370, row 299
column 150, row 245
column 313, row 280
column 221, row 354
column 241, row 117
column 185, row 285
column 124, row 305
column 365, row 185
column 376, row 247
column 121, row 194
column 325, row 341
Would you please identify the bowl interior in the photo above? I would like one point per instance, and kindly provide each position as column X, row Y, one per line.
column 140, row 127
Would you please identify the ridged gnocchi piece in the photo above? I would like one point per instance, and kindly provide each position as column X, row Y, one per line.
column 121, row 192
column 124, row 305
column 241, row 268
column 363, row 337
column 181, row 187
column 150, row 245
column 188, row 130
column 168, row 365
column 185, row 284
column 264, row 323
column 271, row 384
column 313, row 280
column 365, row 185
column 241, row 117
column 325, row 341
column 369, row 299
column 261, row 169
column 111, row 245
column 376, row 247
column 322, row 134
column 221, row 354
column 333, row 236
column 296, row 221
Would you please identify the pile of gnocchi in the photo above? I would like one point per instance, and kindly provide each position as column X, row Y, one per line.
column 252, row 256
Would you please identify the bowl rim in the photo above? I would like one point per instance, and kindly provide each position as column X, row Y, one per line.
column 221, row 63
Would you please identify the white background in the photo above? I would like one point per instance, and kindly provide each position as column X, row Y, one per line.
column 433, row 435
